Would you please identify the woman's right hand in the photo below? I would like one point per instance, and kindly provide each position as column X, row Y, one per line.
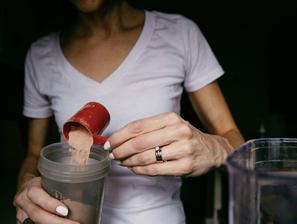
column 31, row 201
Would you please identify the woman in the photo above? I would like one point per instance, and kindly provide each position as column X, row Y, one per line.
column 136, row 63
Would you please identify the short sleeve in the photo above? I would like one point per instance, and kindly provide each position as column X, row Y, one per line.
column 36, row 105
column 202, row 67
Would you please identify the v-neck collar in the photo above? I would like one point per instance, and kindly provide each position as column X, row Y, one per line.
column 134, row 53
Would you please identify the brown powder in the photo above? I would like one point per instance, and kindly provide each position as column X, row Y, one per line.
column 81, row 142
column 83, row 213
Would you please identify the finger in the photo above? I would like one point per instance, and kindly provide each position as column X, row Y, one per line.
column 44, row 200
column 174, row 151
column 21, row 215
column 171, row 168
column 186, row 166
column 37, row 195
column 38, row 215
column 143, row 158
column 163, row 136
column 142, row 126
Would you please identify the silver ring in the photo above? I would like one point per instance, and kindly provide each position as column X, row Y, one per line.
column 27, row 221
column 158, row 154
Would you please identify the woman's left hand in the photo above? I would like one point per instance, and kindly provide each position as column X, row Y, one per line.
column 185, row 150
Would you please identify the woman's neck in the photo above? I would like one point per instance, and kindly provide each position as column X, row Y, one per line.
column 108, row 21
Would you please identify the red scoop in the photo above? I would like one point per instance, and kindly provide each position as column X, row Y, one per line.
column 94, row 117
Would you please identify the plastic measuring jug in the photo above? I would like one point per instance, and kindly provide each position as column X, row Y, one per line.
column 263, row 182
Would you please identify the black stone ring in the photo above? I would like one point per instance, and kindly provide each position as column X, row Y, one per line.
column 158, row 154
column 27, row 221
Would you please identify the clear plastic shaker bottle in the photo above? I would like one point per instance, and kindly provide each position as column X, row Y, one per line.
column 79, row 187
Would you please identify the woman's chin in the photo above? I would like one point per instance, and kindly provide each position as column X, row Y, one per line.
column 87, row 6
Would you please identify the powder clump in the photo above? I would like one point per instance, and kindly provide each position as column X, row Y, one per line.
column 80, row 142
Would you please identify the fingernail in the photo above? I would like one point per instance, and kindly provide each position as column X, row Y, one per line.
column 106, row 146
column 111, row 156
column 62, row 210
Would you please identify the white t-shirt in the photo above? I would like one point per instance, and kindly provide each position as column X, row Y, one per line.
column 170, row 54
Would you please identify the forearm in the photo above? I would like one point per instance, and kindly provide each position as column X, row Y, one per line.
column 218, row 121
column 28, row 170
column 36, row 138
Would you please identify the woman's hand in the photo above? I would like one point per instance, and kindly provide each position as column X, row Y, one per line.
column 33, row 202
column 185, row 149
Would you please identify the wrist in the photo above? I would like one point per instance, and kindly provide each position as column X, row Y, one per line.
column 24, row 180
column 220, row 148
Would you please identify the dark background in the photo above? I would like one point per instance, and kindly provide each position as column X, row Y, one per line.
column 255, row 41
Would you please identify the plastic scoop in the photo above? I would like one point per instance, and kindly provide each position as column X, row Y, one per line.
column 94, row 117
